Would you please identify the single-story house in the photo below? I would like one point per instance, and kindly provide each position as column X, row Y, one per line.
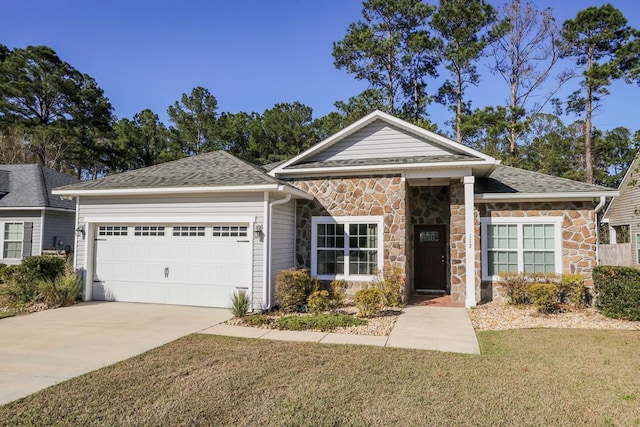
column 624, row 211
column 380, row 193
column 31, row 218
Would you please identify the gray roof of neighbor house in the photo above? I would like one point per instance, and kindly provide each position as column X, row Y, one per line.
column 507, row 179
column 215, row 169
column 29, row 186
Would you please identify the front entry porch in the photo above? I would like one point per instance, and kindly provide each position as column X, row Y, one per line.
column 441, row 241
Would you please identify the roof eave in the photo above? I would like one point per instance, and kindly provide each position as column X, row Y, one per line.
column 542, row 197
column 399, row 167
column 181, row 190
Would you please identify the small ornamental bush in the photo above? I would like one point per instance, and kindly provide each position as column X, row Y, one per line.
column 515, row 287
column 369, row 302
column 17, row 290
column 390, row 281
column 323, row 322
column 256, row 320
column 318, row 302
column 42, row 267
column 544, row 296
column 240, row 303
column 337, row 290
column 573, row 291
column 292, row 289
column 617, row 291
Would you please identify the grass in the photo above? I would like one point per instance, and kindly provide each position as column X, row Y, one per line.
column 525, row 377
column 4, row 314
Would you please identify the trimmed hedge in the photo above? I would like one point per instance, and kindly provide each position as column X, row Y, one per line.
column 618, row 291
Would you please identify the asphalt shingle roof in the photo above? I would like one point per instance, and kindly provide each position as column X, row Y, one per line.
column 215, row 169
column 507, row 179
column 385, row 161
column 30, row 186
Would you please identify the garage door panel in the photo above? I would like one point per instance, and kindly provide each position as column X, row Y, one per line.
column 202, row 270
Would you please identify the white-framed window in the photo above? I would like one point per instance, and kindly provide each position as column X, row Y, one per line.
column 523, row 244
column 188, row 231
column 638, row 248
column 346, row 247
column 12, row 236
column 113, row 230
column 148, row 230
column 230, row 231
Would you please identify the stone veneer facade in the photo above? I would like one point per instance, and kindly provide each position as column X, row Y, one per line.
column 578, row 234
column 363, row 196
column 403, row 206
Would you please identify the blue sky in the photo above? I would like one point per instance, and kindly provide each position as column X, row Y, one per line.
column 250, row 54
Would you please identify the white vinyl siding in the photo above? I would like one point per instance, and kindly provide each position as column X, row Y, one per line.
column 379, row 140
column 282, row 240
column 527, row 244
column 22, row 217
column 349, row 248
column 59, row 230
column 185, row 207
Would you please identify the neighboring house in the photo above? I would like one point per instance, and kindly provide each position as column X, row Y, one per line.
column 31, row 219
column 380, row 193
column 624, row 211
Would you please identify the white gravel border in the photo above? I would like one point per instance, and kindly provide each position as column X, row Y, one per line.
column 495, row 316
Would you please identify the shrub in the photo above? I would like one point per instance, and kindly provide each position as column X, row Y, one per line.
column 390, row 281
column 337, row 290
column 318, row 301
column 572, row 290
column 42, row 267
column 2, row 269
column 369, row 302
column 515, row 287
column 16, row 289
column 617, row 291
column 544, row 296
column 322, row 322
column 256, row 320
column 240, row 303
column 292, row 289
column 60, row 291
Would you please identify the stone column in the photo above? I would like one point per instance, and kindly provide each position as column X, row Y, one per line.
column 470, row 243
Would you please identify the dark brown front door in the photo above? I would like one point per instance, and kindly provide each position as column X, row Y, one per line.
column 430, row 258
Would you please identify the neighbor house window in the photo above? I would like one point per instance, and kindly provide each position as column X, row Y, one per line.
column 12, row 240
column 346, row 247
column 529, row 245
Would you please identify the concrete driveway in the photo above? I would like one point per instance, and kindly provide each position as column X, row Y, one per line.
column 42, row 349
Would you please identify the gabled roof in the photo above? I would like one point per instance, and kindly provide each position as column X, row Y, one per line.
column 210, row 172
column 509, row 183
column 29, row 186
column 445, row 150
column 626, row 181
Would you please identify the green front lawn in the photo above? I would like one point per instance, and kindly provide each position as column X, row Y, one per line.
column 524, row 377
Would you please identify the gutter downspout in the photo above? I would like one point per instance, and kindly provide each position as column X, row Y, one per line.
column 597, row 209
column 267, row 287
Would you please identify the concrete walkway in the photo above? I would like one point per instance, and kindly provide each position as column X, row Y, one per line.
column 419, row 327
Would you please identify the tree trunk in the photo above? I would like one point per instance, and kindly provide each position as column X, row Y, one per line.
column 588, row 158
column 459, row 111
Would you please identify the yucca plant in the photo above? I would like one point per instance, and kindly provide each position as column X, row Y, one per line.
column 240, row 303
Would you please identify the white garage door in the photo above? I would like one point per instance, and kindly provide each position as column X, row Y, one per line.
column 199, row 265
